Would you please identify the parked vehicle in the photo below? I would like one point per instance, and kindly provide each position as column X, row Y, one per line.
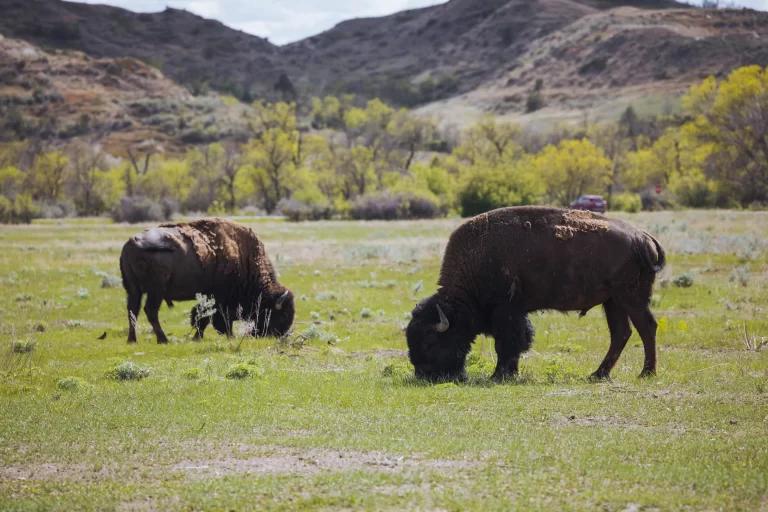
column 591, row 203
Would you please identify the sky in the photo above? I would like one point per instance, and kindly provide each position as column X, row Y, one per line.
column 285, row 21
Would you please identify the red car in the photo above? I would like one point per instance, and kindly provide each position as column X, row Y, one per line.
column 591, row 203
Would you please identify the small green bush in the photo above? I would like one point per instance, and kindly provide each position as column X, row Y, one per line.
column 24, row 347
column 71, row 383
column 479, row 364
column 626, row 202
column 568, row 347
column 192, row 373
column 241, row 371
column 315, row 333
column 127, row 371
column 684, row 280
column 398, row 369
column 366, row 313
column 558, row 368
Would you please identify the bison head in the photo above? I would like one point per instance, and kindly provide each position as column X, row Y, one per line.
column 277, row 311
column 439, row 338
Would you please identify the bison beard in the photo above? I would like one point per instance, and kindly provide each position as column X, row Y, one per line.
column 500, row 266
column 213, row 257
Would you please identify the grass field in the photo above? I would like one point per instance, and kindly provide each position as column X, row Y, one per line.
column 334, row 420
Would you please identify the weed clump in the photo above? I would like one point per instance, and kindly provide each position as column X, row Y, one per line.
column 127, row 371
column 242, row 371
column 24, row 347
column 192, row 373
column 684, row 280
column 399, row 369
column 82, row 293
column 741, row 275
column 568, row 347
column 366, row 313
column 479, row 364
column 315, row 333
column 109, row 280
column 558, row 368
column 71, row 383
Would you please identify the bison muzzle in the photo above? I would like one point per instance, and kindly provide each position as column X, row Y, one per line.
column 214, row 257
column 500, row 266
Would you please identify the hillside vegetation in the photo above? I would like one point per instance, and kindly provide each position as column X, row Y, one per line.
column 377, row 162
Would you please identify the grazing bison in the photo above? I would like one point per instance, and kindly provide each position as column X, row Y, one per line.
column 214, row 257
column 502, row 265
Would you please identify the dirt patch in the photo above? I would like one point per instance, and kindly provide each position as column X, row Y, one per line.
column 579, row 221
column 279, row 461
column 309, row 462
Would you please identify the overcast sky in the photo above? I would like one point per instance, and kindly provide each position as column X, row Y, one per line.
column 284, row 21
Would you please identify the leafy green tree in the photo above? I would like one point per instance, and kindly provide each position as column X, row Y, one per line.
column 732, row 123
column 573, row 168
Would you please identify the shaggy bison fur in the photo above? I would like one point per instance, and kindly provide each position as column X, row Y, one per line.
column 502, row 265
column 213, row 257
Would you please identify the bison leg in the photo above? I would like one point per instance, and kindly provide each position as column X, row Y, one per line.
column 151, row 308
column 618, row 324
column 134, row 306
column 222, row 324
column 646, row 327
column 513, row 333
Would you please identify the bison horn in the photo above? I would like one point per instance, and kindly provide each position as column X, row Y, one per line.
column 443, row 325
column 280, row 300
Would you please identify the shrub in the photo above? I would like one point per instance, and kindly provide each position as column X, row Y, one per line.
column 241, row 371
column 109, row 281
column 127, row 371
column 558, row 368
column 626, row 202
column 315, row 333
column 19, row 211
column 58, row 210
column 297, row 211
column 479, row 364
column 394, row 206
column 139, row 209
column 366, row 313
column 24, row 347
column 741, row 275
column 487, row 188
column 71, row 383
column 399, row 369
column 192, row 373
column 534, row 102
column 684, row 280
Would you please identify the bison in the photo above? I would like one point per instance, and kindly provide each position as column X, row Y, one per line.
column 504, row 264
column 214, row 257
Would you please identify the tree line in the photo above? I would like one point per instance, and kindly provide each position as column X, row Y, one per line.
column 373, row 161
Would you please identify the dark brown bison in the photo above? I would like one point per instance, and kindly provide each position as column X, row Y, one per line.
column 502, row 265
column 214, row 257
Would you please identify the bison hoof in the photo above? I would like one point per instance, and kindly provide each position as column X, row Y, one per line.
column 162, row 341
column 646, row 373
column 131, row 340
column 504, row 377
column 599, row 376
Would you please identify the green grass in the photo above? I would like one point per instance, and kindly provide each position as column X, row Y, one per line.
column 333, row 419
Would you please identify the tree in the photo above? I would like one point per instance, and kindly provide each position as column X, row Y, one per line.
column 490, row 142
column 731, row 121
column 89, row 176
column 45, row 179
column 233, row 163
column 571, row 169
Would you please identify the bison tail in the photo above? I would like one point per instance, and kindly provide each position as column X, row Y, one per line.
column 653, row 255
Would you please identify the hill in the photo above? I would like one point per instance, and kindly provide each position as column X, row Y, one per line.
column 122, row 102
column 411, row 57
column 607, row 60
column 460, row 59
